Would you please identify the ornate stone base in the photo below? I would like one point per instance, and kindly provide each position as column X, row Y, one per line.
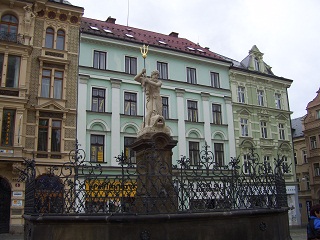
column 154, row 170
column 157, row 125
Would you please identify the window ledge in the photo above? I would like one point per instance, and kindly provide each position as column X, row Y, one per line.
column 95, row 112
column 222, row 125
column 187, row 121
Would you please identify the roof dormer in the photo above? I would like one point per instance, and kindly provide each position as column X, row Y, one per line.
column 254, row 61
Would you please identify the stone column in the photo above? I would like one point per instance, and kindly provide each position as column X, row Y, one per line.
column 115, row 120
column 155, row 188
column 231, row 136
column 181, row 121
column 206, row 117
column 81, row 125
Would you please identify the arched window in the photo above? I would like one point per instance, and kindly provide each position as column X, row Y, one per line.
column 49, row 37
column 9, row 24
column 9, row 27
column 60, row 39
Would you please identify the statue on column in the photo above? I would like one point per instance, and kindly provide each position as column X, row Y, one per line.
column 153, row 121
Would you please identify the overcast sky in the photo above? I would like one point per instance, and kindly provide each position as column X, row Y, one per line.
column 286, row 31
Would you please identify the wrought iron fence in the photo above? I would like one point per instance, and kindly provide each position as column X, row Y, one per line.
column 11, row 37
column 150, row 186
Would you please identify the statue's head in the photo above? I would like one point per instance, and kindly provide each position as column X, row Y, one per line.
column 155, row 73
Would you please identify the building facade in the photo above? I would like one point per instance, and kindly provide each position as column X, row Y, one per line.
column 261, row 117
column 196, row 99
column 311, row 132
column 38, row 102
column 16, row 33
column 303, row 170
column 306, row 141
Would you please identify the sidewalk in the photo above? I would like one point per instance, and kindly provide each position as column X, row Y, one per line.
column 297, row 233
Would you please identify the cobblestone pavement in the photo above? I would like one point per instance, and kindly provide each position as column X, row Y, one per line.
column 297, row 233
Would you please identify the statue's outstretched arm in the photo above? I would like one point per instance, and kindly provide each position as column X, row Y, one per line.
column 138, row 77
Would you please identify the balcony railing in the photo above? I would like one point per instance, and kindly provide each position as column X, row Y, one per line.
column 12, row 37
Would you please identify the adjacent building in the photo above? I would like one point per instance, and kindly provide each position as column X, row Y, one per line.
column 307, row 152
column 39, row 44
column 261, row 116
column 302, row 169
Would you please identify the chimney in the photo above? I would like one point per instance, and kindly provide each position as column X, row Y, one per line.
column 111, row 20
column 174, row 34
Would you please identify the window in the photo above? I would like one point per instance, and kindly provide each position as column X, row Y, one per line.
column 318, row 114
column 281, row 132
column 98, row 100
column 256, row 64
column 60, row 39
column 194, row 153
column 7, row 133
column 45, row 131
column 219, row 154
column 278, row 100
column 13, row 71
column 241, row 91
column 9, row 28
column 304, row 156
column 43, row 134
column 165, row 107
column 267, row 164
column 49, row 38
column 131, row 65
column 316, row 169
column 191, row 75
column 244, row 127
column 246, row 164
column 11, row 66
column 51, row 83
column 130, row 103
column 128, row 152
column 56, row 136
column 215, row 80
column 313, row 142
column 97, row 148
column 295, row 157
column 100, row 60
column 216, row 114
column 264, row 132
column 260, row 98
column 163, row 70
column 192, row 111
column 286, row 165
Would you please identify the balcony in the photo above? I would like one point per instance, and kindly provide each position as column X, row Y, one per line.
column 12, row 37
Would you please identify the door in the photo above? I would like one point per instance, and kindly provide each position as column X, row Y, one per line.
column 5, row 200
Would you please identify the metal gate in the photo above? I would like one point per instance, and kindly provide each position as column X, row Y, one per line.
column 5, row 200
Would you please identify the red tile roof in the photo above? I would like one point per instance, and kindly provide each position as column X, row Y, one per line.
column 110, row 29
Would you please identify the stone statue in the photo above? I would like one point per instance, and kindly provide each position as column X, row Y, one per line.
column 28, row 15
column 154, row 121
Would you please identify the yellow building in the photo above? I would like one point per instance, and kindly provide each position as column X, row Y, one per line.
column 39, row 43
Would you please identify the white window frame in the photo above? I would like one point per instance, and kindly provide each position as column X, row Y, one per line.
column 241, row 94
column 282, row 131
column 278, row 103
column 264, row 129
column 260, row 97
column 244, row 127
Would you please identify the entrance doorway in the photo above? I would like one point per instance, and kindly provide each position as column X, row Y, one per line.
column 5, row 200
